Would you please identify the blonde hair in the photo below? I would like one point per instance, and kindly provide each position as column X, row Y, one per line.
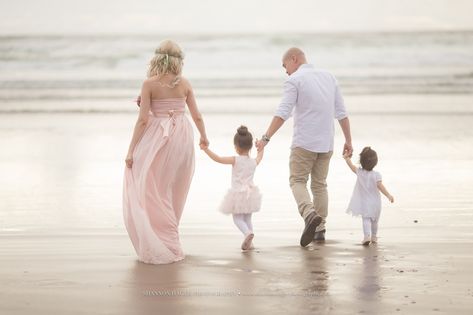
column 167, row 59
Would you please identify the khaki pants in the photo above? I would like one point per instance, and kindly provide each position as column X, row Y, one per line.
column 303, row 163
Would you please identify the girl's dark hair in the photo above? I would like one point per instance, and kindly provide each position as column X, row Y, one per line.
column 243, row 138
column 368, row 158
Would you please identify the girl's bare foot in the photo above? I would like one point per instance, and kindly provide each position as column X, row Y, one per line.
column 247, row 242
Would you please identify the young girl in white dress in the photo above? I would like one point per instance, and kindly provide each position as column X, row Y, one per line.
column 366, row 199
column 243, row 198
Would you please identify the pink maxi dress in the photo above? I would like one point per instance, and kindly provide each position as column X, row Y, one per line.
column 155, row 188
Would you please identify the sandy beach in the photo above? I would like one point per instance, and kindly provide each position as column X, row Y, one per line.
column 65, row 250
column 98, row 274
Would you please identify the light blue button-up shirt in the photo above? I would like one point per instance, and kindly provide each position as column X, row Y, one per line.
column 312, row 96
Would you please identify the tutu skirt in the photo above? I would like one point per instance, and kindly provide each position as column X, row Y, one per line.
column 247, row 200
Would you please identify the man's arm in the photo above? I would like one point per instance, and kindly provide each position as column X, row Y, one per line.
column 345, row 125
column 342, row 116
column 276, row 123
column 283, row 113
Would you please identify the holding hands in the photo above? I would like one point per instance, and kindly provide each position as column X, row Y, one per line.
column 203, row 143
column 347, row 150
column 260, row 144
column 129, row 160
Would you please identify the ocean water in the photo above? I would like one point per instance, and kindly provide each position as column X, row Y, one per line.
column 104, row 73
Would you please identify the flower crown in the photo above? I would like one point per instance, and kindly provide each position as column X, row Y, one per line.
column 158, row 52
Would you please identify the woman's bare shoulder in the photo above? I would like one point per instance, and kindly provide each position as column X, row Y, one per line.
column 148, row 82
column 185, row 82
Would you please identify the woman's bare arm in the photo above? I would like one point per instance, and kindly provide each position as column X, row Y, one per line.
column 195, row 114
column 141, row 122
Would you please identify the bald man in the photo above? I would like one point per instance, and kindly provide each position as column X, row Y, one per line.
column 313, row 97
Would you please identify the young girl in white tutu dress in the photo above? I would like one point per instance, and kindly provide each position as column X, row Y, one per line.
column 243, row 198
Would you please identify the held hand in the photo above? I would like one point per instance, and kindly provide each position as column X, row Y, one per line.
column 129, row 161
column 347, row 149
column 260, row 144
column 346, row 156
column 257, row 144
column 138, row 100
column 204, row 143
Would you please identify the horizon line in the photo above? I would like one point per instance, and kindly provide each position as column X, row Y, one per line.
column 236, row 34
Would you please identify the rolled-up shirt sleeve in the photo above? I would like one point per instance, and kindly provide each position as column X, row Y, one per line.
column 340, row 110
column 289, row 100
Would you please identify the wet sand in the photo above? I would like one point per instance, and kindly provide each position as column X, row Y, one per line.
column 98, row 274
column 64, row 249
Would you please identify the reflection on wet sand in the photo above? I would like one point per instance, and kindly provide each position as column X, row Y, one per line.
column 369, row 282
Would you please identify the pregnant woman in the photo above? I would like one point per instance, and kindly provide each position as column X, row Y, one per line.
column 160, row 159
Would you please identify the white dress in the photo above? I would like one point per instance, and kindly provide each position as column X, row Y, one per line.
column 243, row 196
column 366, row 198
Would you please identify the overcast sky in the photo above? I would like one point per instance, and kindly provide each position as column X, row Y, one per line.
column 222, row 16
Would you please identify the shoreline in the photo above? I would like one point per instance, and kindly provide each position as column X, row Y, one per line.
column 359, row 105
